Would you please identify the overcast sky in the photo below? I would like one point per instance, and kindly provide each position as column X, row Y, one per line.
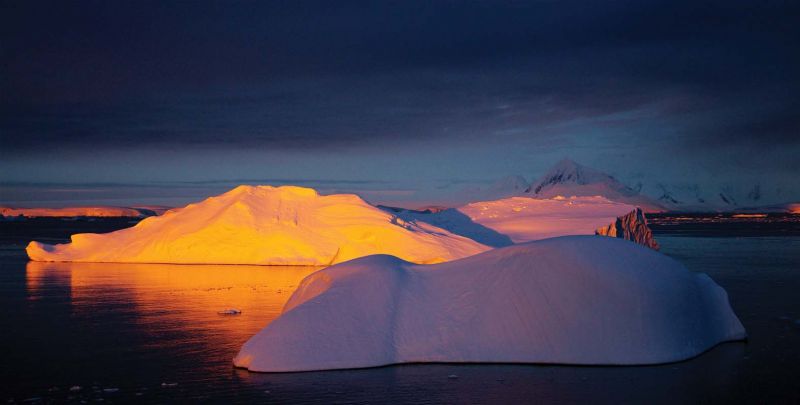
column 394, row 96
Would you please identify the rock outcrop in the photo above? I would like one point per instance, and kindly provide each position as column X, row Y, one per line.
column 632, row 227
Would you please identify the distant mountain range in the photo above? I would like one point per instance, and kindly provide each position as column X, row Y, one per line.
column 84, row 211
column 568, row 178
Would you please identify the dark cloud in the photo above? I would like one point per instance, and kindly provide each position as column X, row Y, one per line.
column 333, row 76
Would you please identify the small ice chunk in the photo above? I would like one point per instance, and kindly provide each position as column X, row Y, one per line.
column 110, row 390
column 75, row 388
column 167, row 385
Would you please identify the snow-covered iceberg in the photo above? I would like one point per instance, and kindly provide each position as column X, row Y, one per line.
column 269, row 226
column 569, row 300
column 522, row 219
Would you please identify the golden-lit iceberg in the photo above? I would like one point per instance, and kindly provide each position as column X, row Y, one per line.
column 267, row 226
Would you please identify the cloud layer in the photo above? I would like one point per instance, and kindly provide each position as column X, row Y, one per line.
column 663, row 88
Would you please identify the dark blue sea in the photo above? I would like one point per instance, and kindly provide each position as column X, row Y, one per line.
column 87, row 333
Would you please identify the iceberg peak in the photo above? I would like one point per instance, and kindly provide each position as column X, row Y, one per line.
column 280, row 190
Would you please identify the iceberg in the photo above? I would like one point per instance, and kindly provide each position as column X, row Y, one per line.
column 265, row 225
column 523, row 219
column 580, row 300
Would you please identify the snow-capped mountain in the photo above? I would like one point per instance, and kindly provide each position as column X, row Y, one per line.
column 568, row 178
column 692, row 197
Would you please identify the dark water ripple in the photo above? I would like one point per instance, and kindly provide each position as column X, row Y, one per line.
column 151, row 333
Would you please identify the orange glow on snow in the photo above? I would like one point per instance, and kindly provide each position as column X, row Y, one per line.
column 268, row 226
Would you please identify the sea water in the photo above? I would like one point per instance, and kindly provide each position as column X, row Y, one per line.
column 153, row 333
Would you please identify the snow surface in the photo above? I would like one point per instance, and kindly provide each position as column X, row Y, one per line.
column 571, row 300
column 265, row 225
column 523, row 219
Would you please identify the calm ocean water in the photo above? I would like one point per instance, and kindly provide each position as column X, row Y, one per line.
column 151, row 333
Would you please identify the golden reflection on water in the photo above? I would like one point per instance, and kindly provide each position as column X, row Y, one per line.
column 164, row 298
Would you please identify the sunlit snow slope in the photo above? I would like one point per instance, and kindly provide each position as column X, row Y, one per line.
column 265, row 225
column 569, row 300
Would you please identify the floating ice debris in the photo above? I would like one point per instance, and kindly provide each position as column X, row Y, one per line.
column 110, row 390
column 230, row 311
column 452, row 376
column 167, row 385
column 75, row 388
column 267, row 391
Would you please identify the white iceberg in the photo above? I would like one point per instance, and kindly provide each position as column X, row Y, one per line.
column 585, row 300
column 267, row 226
